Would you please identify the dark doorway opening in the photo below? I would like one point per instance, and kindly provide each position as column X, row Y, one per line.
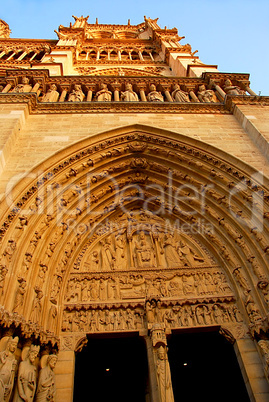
column 111, row 369
column 204, row 367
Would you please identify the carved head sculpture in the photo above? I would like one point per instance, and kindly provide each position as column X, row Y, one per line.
column 228, row 82
column 161, row 353
column 176, row 86
column 201, row 88
column 152, row 88
column 12, row 344
column 52, row 360
column 128, row 87
column 32, row 353
column 25, row 80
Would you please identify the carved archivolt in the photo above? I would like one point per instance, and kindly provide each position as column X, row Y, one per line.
column 136, row 215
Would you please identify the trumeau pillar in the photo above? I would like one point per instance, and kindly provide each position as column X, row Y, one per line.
column 159, row 368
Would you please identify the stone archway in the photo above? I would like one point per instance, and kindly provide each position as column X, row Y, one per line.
column 138, row 229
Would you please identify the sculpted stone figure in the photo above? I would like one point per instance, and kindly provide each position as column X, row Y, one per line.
column 24, row 86
column 52, row 95
column 164, row 376
column 46, row 389
column 187, row 253
column 129, row 95
column 143, row 252
column 76, row 95
column 121, row 258
column 3, row 272
column 170, row 252
column 93, row 261
column 178, row 95
column 19, row 298
column 27, row 375
column 108, row 255
column 154, row 96
column 36, row 309
column 8, row 365
column 205, row 95
column 104, row 95
column 231, row 89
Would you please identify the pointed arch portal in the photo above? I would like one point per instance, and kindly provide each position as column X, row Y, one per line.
column 136, row 231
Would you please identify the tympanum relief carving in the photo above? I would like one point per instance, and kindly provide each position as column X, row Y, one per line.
column 140, row 275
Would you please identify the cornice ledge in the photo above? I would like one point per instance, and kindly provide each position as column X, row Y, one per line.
column 232, row 100
column 28, row 98
column 36, row 107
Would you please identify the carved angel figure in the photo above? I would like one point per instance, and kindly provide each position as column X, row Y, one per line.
column 170, row 252
column 121, row 258
column 46, row 389
column 188, row 253
column 8, row 366
column 27, row 375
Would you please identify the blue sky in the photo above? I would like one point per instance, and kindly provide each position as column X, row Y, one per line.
column 234, row 34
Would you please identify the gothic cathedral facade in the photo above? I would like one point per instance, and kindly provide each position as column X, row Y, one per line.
column 134, row 204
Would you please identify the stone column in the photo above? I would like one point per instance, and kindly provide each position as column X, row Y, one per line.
column 142, row 88
column 7, row 88
column 116, row 89
column 193, row 96
column 153, row 385
column 250, row 91
column 90, row 89
column 159, row 368
column 64, row 89
column 35, row 88
column 252, row 369
column 218, row 88
column 167, row 93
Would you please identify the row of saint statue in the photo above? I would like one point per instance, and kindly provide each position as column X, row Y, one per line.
column 23, row 382
column 104, row 94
